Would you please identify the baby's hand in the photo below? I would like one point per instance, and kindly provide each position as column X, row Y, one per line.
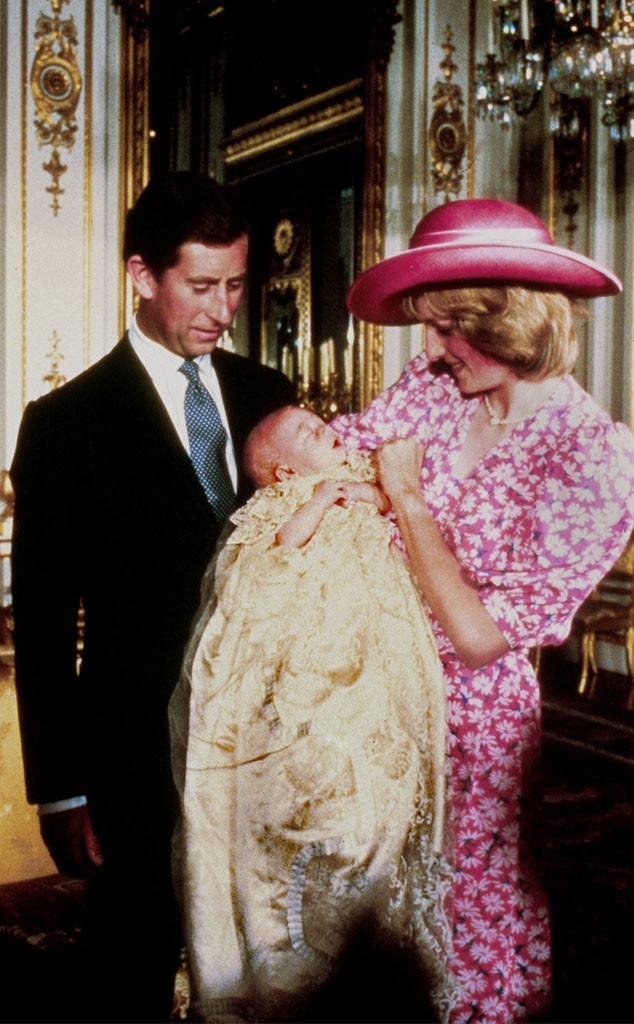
column 331, row 492
column 300, row 527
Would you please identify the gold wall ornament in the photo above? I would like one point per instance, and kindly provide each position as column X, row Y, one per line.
column 284, row 238
column 286, row 299
column 447, row 132
column 54, row 378
column 56, row 85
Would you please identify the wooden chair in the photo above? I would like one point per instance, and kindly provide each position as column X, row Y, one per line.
column 607, row 615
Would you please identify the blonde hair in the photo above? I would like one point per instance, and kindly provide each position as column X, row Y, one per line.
column 530, row 330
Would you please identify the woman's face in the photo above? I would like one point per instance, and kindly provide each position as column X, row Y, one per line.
column 472, row 370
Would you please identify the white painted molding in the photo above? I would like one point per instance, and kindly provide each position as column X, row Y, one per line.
column 59, row 303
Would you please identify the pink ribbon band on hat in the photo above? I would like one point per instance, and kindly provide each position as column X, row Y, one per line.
column 479, row 236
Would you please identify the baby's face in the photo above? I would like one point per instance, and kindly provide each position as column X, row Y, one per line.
column 307, row 444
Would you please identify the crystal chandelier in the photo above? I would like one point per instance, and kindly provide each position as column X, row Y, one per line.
column 584, row 49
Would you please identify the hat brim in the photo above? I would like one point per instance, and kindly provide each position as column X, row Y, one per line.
column 377, row 294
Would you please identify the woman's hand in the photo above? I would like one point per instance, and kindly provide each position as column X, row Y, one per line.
column 451, row 595
column 399, row 463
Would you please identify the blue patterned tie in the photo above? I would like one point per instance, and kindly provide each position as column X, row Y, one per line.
column 207, row 443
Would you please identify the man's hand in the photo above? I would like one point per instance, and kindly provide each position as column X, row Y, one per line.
column 71, row 842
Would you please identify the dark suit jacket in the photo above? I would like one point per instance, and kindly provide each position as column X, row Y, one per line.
column 109, row 512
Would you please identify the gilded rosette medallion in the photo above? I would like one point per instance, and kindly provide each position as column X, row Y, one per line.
column 56, row 85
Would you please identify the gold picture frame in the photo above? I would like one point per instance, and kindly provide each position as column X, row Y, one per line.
column 134, row 164
column 354, row 111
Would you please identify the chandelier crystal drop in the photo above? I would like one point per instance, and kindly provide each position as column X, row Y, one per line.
column 584, row 49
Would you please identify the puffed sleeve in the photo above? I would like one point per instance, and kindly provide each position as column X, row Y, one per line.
column 579, row 526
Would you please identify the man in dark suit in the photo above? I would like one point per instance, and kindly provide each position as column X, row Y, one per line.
column 112, row 518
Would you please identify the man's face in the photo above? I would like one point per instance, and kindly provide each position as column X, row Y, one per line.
column 191, row 304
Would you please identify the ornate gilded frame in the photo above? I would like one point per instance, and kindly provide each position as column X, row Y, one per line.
column 369, row 361
column 358, row 102
column 134, row 161
column 361, row 101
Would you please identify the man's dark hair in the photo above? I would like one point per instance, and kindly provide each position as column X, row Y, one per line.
column 181, row 207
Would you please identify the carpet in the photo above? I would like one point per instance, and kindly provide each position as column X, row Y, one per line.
column 588, row 772
column 40, row 933
column 41, row 927
column 588, row 778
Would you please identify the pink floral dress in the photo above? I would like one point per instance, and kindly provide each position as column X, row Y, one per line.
column 541, row 518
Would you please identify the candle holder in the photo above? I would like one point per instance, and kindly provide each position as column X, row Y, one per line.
column 320, row 385
column 326, row 399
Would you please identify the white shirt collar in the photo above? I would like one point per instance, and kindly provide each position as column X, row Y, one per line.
column 163, row 365
column 159, row 361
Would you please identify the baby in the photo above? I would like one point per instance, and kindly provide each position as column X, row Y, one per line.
column 293, row 441
column 308, row 735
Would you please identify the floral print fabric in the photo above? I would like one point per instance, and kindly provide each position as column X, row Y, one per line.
column 537, row 523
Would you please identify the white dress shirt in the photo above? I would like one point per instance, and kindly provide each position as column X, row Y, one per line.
column 163, row 367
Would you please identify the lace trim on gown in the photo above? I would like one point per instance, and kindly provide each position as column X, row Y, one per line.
column 309, row 749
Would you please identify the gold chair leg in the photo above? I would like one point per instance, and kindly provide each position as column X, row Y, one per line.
column 629, row 657
column 588, row 663
column 536, row 658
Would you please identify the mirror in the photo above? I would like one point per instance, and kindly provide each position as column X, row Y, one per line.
column 287, row 101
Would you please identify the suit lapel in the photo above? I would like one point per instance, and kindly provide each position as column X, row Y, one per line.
column 229, row 389
column 142, row 421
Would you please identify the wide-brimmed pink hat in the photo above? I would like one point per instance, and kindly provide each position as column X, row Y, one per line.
column 482, row 241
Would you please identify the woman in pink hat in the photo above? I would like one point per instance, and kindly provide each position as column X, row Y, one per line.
column 512, row 493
